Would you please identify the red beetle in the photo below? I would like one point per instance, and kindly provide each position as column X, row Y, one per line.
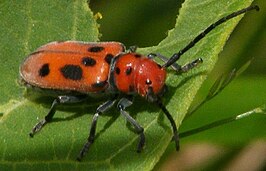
column 79, row 70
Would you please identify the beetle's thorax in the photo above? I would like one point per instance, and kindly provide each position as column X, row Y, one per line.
column 133, row 73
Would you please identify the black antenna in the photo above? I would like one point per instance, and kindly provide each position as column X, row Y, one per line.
column 176, row 56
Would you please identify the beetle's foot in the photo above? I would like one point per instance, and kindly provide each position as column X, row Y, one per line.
column 37, row 127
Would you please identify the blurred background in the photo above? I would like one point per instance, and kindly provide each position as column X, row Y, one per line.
column 236, row 146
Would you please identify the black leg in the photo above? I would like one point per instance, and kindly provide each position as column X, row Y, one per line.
column 190, row 65
column 132, row 49
column 178, row 68
column 170, row 118
column 49, row 116
column 102, row 108
column 174, row 66
column 122, row 105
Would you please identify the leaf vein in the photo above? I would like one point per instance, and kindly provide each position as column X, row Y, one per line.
column 7, row 108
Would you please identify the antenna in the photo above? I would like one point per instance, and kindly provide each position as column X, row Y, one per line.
column 176, row 56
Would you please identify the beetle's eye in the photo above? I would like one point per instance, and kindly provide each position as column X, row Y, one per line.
column 148, row 82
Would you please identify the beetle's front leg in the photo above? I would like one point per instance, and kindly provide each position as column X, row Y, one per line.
column 178, row 68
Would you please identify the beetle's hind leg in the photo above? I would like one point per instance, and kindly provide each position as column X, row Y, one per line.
column 56, row 102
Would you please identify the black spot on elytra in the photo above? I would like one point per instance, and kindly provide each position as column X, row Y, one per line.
column 88, row 61
column 73, row 72
column 108, row 58
column 129, row 70
column 44, row 71
column 148, row 82
column 117, row 70
column 96, row 49
column 137, row 55
column 99, row 84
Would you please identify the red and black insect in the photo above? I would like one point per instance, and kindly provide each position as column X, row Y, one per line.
column 79, row 70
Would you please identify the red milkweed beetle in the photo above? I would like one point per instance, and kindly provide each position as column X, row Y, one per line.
column 105, row 68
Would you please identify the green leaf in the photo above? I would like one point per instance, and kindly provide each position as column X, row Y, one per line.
column 26, row 25
column 259, row 110
column 240, row 96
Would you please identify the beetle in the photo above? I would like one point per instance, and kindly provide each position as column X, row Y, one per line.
column 81, row 70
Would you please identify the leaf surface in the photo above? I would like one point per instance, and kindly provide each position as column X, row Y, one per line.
column 26, row 25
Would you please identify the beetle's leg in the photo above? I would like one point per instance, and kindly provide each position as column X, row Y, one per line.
column 172, row 121
column 174, row 66
column 178, row 68
column 190, row 65
column 49, row 116
column 122, row 105
column 132, row 49
column 102, row 108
